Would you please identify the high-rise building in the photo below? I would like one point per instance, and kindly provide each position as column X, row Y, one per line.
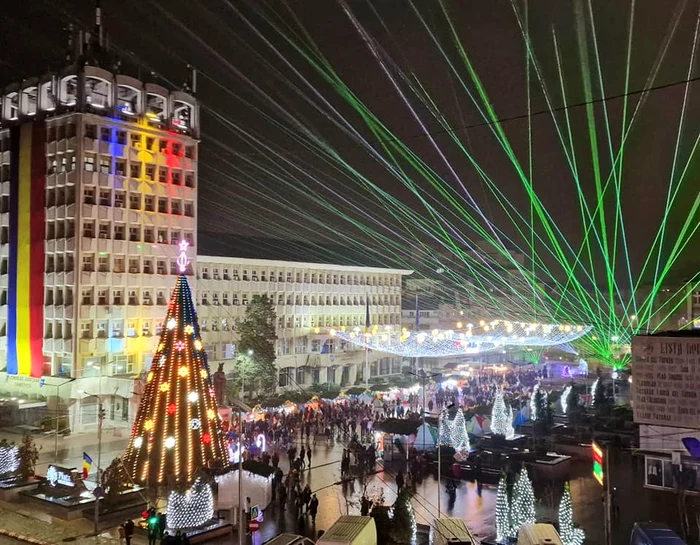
column 98, row 185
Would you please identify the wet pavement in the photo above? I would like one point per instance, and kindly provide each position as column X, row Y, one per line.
column 476, row 508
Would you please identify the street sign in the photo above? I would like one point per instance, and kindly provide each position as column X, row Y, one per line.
column 253, row 526
column 598, row 463
column 98, row 492
column 255, row 512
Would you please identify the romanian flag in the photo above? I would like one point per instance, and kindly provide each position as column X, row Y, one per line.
column 87, row 465
column 25, row 296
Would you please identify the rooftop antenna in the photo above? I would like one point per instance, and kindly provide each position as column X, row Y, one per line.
column 70, row 52
column 98, row 23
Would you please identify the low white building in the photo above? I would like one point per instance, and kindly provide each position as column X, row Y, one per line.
column 309, row 299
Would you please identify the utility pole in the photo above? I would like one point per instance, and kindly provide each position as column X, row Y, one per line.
column 608, row 499
column 97, row 492
column 58, row 416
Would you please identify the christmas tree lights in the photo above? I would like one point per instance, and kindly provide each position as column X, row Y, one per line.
column 564, row 400
column 522, row 507
column 175, row 433
column 453, row 433
column 502, row 510
column 9, row 460
column 190, row 509
column 594, row 390
column 404, row 519
column 569, row 534
column 501, row 417
column 534, row 402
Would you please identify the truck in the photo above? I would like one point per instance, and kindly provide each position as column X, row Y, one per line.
column 538, row 534
column 653, row 533
column 349, row 530
column 451, row 531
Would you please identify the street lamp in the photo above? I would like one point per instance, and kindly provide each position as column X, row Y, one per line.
column 96, row 491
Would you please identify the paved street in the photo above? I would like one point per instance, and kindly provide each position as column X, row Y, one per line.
column 635, row 502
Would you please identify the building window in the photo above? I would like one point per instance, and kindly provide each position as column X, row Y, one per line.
column 189, row 209
column 135, row 170
column 162, row 236
column 103, row 297
column 89, row 164
column 119, row 229
column 103, row 265
column 163, row 205
column 146, row 328
column 150, row 142
column 133, row 297
column 134, row 266
column 149, row 203
column 105, row 164
column 189, row 179
column 118, row 297
column 91, row 131
column 121, row 138
column 105, row 197
column 89, row 229
column 176, row 207
column 87, row 296
column 88, row 263
column 148, row 265
column 160, row 298
column 119, row 199
column 89, row 195
column 135, row 234
column 189, row 152
column 177, row 149
column 135, row 201
column 177, row 177
column 163, row 175
column 175, row 237
column 135, row 140
column 117, row 328
column 104, row 230
column 149, row 235
column 161, row 267
column 150, row 172
column 120, row 167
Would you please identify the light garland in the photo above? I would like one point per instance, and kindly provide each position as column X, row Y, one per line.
column 9, row 460
column 522, row 508
column 176, row 431
column 593, row 390
column 502, row 511
column 565, row 399
column 192, row 509
column 533, row 401
column 501, row 417
column 496, row 335
column 569, row 534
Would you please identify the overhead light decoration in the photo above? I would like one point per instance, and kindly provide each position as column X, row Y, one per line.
column 496, row 335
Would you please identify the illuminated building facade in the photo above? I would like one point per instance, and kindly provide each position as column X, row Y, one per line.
column 98, row 184
column 309, row 299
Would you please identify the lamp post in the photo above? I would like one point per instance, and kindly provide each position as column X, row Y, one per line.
column 100, row 417
column 58, row 416
column 242, row 408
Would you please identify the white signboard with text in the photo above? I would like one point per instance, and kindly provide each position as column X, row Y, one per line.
column 666, row 381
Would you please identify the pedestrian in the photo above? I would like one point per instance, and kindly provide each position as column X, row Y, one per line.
column 308, row 455
column 162, row 524
column 283, row 497
column 302, row 457
column 306, row 497
column 399, row 480
column 152, row 530
column 313, row 508
column 275, row 459
column 128, row 530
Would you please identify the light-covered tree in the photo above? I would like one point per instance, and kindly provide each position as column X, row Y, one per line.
column 570, row 535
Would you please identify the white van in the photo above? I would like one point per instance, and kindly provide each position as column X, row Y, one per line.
column 451, row 531
column 538, row 534
column 350, row 531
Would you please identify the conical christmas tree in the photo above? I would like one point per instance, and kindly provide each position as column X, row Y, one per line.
column 460, row 438
column 445, row 428
column 177, row 432
column 570, row 535
column 522, row 507
column 502, row 510
column 501, row 417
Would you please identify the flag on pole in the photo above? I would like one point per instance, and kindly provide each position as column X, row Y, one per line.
column 87, row 465
column 367, row 322
column 417, row 314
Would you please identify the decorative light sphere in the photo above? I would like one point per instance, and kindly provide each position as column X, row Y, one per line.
column 179, row 346
column 171, row 323
column 195, row 423
column 183, row 371
column 149, row 376
column 138, row 441
column 170, row 442
column 164, row 387
column 206, row 438
column 198, row 344
column 172, row 408
column 211, row 414
column 189, row 329
column 148, row 425
column 193, row 397
column 204, row 374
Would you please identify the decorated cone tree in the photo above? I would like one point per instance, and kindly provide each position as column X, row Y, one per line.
column 501, row 417
column 460, row 438
column 502, row 510
column 177, row 432
column 404, row 519
column 522, row 507
column 445, row 428
column 570, row 535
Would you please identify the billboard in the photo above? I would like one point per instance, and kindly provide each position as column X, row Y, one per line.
column 666, row 381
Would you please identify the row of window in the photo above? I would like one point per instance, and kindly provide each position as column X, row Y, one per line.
column 106, row 164
column 137, row 201
column 207, row 273
column 136, row 233
column 105, row 263
column 298, row 321
column 288, row 299
column 102, row 329
column 102, row 296
column 136, row 140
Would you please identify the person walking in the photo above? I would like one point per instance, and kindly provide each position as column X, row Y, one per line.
column 399, row 480
column 313, row 508
column 302, row 457
column 308, row 455
column 128, row 527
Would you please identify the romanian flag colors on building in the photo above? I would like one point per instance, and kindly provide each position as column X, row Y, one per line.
column 25, row 308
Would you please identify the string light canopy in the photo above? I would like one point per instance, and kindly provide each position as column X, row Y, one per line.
column 472, row 339
column 177, row 432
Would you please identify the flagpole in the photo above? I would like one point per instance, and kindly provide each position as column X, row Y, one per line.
column 367, row 325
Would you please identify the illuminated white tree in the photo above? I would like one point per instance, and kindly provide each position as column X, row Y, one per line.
column 459, row 435
column 522, row 507
column 570, row 535
column 501, row 417
column 502, row 510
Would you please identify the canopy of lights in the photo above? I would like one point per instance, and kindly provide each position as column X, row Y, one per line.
column 473, row 339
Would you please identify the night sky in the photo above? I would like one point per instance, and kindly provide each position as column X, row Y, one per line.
column 252, row 79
